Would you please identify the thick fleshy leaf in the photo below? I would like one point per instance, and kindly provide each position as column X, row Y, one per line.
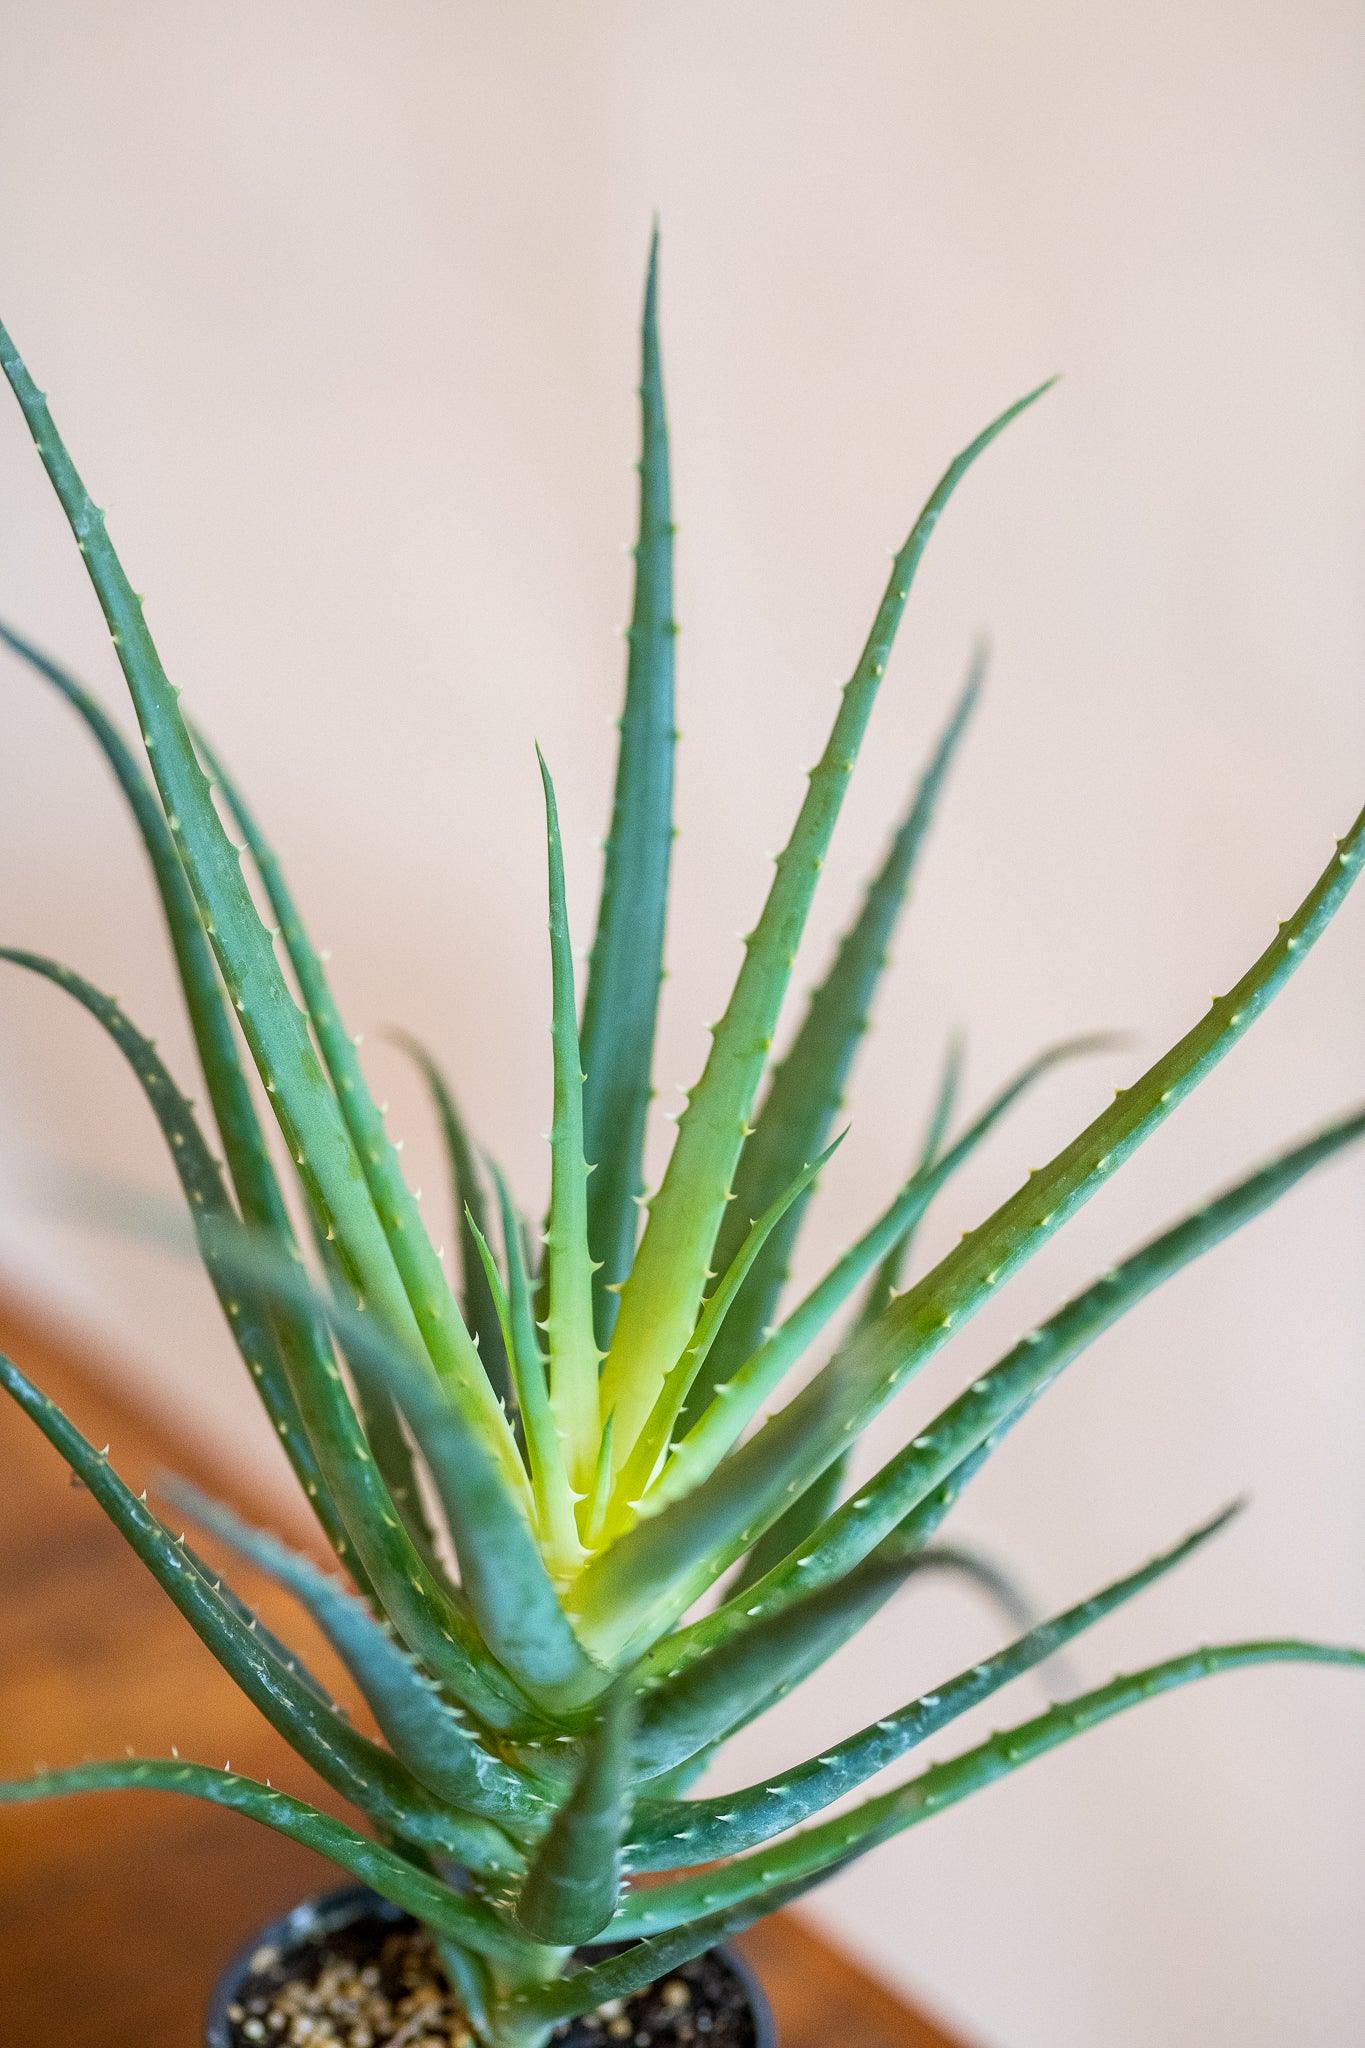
column 704, row 1830
column 818, row 1500
column 808, row 1857
column 502, row 1573
column 433, row 1739
column 660, row 1297
column 434, row 1322
column 574, row 1881
column 455, row 1914
column 656, row 1571
column 807, row 1084
column 975, row 1422
column 574, row 1356
column 470, row 1212
column 311, row 1398
column 735, row 1403
column 621, row 1001
column 653, row 1440
column 690, row 1710
column 355, row 1767
column 549, row 1473
column 248, row 1157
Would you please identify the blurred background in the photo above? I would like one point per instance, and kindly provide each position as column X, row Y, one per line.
column 336, row 305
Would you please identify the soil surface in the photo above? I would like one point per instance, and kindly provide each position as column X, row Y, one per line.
column 377, row 1984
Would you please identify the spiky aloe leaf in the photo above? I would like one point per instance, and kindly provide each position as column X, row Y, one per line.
column 887, row 1279
column 693, row 1709
column 310, row 1404
column 556, row 1520
column 276, row 1030
column 660, row 1297
column 574, row 1881
column 656, row 1570
column 735, row 1403
column 974, row 1423
column 653, row 1440
column 807, row 1084
column 248, row 1159
column 434, row 1740
column 434, row 1316
column 818, row 1500
column 620, row 1004
column 470, row 1212
column 549, row 1473
column 456, row 1914
column 713, row 1828
column 809, row 1856
column 355, row 1767
column 574, row 1356
column 502, row 1573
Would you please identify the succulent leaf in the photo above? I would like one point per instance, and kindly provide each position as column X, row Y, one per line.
column 742, row 1819
column 453, row 1913
column 660, row 1297
column 574, row 1356
column 433, row 1315
column 434, row 1740
column 342, row 1757
column 806, row 1858
column 502, row 1572
column 735, row 1404
column 620, row 1004
column 470, row 1212
column 974, row 1423
column 661, row 1565
column 574, row 1881
column 807, row 1084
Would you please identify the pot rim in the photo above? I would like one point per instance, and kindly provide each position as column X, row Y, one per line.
column 328, row 1912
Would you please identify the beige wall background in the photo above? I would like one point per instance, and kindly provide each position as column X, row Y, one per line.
column 336, row 304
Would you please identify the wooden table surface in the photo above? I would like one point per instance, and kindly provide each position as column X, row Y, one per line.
column 117, row 1910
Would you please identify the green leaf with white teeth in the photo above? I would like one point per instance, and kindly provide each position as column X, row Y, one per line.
column 723, row 1826
column 621, row 1001
column 634, row 1592
column 807, row 1085
column 660, row 1297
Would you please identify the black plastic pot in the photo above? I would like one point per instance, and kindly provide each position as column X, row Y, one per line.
column 332, row 1912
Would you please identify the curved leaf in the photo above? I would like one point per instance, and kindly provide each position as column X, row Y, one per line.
column 660, row 1297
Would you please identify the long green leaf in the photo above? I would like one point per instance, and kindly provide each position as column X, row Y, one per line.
column 434, row 1740
column 652, row 1443
column 659, row 1300
column 316, row 1402
column 976, row 1421
column 655, row 1572
column 574, row 1881
column 462, row 1918
column 355, row 1767
column 470, row 1212
column 549, row 1473
column 817, row 1501
column 248, row 1158
column 435, row 1316
column 276, row 1030
column 502, row 1572
column 735, row 1403
column 574, row 1356
column 722, row 1826
column 809, row 1856
column 807, row 1084
column 690, row 1710
column 621, row 1001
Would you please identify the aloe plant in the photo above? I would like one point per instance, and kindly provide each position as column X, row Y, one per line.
column 531, row 1476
